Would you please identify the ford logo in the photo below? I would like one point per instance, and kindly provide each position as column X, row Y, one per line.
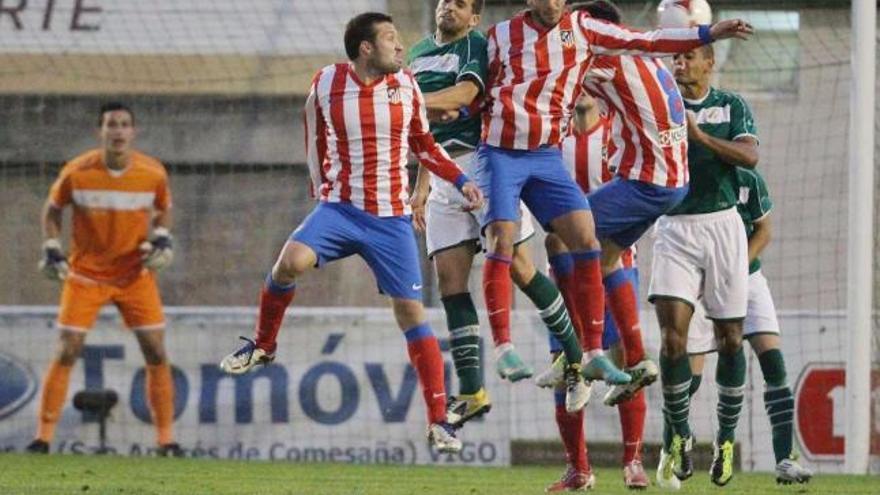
column 18, row 384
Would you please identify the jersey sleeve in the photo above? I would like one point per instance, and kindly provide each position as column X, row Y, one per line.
column 315, row 137
column 163, row 192
column 606, row 38
column 759, row 204
column 61, row 192
column 742, row 123
column 476, row 66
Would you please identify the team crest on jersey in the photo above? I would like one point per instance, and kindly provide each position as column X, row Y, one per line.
column 394, row 96
column 567, row 36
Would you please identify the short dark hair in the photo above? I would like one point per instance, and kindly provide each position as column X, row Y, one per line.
column 477, row 6
column 601, row 9
column 112, row 106
column 360, row 28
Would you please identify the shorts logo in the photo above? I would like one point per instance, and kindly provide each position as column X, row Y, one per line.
column 416, row 286
column 567, row 37
column 394, row 96
column 744, row 195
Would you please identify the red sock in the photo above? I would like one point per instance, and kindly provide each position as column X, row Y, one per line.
column 632, row 423
column 424, row 354
column 621, row 297
column 571, row 431
column 274, row 300
column 590, row 297
column 497, row 290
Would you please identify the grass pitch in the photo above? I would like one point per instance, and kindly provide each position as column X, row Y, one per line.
column 67, row 474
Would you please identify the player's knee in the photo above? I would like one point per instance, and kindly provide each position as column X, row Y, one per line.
column 674, row 343
column 452, row 282
column 729, row 342
column 154, row 355
column 501, row 238
column 408, row 312
column 70, row 348
column 554, row 245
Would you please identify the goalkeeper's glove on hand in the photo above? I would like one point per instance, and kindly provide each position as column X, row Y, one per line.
column 53, row 264
column 156, row 254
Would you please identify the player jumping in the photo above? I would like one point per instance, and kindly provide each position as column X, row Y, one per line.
column 362, row 118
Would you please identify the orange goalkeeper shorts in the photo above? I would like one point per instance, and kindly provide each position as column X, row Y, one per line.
column 138, row 302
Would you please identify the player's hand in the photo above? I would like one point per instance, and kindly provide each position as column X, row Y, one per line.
column 417, row 202
column 53, row 264
column 473, row 195
column 731, row 28
column 443, row 116
column 156, row 254
column 694, row 132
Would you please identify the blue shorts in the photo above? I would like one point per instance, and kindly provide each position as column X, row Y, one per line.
column 388, row 245
column 538, row 177
column 625, row 209
column 610, row 335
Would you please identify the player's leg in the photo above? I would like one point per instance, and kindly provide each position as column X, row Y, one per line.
column 452, row 238
column 80, row 302
column 388, row 246
column 725, row 297
column 675, row 287
column 578, row 474
column 500, row 175
column 324, row 236
column 559, row 205
column 141, row 309
column 698, row 362
column 761, row 329
column 701, row 341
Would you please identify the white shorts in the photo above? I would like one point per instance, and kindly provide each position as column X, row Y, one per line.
column 760, row 318
column 448, row 226
column 703, row 255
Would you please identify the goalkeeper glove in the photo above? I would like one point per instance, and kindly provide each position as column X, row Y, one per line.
column 54, row 263
column 156, row 254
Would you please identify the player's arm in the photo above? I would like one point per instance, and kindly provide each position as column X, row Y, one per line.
column 53, row 263
column 742, row 149
column 760, row 237
column 586, row 113
column 315, row 137
column 454, row 97
column 610, row 39
column 419, row 198
column 433, row 157
column 158, row 252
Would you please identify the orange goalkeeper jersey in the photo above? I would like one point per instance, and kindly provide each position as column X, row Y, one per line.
column 112, row 212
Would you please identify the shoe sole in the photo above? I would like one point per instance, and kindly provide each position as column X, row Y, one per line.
column 629, row 392
column 262, row 361
column 718, row 483
column 636, row 488
column 516, row 375
column 791, row 481
column 479, row 413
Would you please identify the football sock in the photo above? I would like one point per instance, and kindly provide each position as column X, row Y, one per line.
column 464, row 331
column 696, row 380
column 497, row 287
column 590, row 297
column 52, row 399
column 676, row 377
column 551, row 307
column 632, row 424
column 160, row 397
column 571, row 431
column 424, row 354
column 730, row 376
column 274, row 300
column 562, row 270
column 621, row 296
column 778, row 401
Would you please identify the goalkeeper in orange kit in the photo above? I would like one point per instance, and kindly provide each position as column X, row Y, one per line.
column 119, row 197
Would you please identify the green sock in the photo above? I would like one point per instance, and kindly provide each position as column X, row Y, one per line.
column 730, row 376
column 696, row 380
column 778, row 401
column 464, row 329
column 547, row 298
column 676, row 378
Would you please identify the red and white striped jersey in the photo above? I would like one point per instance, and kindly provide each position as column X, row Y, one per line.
column 535, row 73
column 358, row 137
column 651, row 132
column 585, row 155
